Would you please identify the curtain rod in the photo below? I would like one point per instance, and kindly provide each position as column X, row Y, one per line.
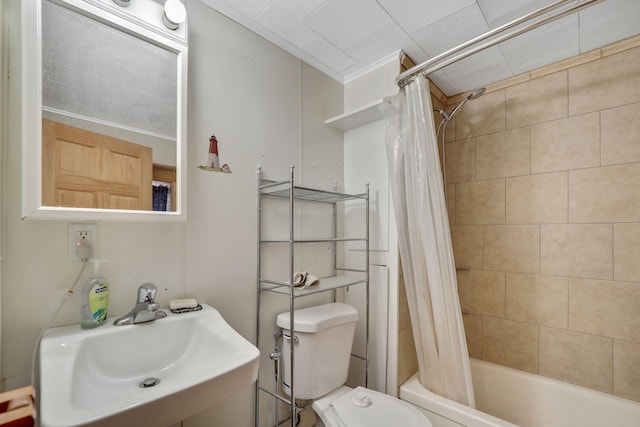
column 438, row 62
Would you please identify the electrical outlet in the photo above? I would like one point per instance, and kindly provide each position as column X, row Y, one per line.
column 83, row 232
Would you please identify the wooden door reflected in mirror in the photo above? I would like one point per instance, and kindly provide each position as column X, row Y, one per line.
column 90, row 170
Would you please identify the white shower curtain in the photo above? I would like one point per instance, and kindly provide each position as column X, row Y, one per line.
column 425, row 247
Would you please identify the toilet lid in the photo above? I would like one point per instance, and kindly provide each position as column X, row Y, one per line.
column 362, row 407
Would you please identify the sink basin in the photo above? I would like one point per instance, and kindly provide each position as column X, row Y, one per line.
column 186, row 361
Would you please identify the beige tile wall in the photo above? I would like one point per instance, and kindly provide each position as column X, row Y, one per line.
column 547, row 216
column 544, row 173
column 407, row 359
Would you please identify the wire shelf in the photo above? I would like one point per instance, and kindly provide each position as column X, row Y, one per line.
column 282, row 189
column 325, row 284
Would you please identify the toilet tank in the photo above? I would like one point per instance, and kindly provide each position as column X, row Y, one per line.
column 322, row 348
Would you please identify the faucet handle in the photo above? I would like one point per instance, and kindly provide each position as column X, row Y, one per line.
column 147, row 292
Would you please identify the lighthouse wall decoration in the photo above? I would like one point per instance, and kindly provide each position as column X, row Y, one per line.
column 213, row 159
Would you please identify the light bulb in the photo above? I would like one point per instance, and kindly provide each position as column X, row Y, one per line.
column 174, row 14
column 123, row 3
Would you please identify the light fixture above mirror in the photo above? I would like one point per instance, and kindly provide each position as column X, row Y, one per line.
column 104, row 135
column 174, row 14
column 122, row 3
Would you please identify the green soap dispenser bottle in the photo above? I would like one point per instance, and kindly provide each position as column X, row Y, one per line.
column 95, row 299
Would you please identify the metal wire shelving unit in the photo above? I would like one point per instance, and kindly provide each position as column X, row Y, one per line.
column 290, row 192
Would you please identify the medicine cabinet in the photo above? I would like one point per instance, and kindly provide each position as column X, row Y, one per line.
column 104, row 111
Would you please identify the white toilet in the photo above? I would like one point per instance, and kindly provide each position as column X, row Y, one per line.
column 323, row 339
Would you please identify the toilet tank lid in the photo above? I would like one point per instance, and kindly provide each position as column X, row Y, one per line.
column 319, row 317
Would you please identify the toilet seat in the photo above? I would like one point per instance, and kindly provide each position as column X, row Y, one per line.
column 347, row 407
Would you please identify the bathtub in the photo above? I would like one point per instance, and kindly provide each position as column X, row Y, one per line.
column 525, row 399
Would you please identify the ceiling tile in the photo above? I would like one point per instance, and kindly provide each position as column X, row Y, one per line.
column 297, row 8
column 415, row 14
column 451, row 30
column 285, row 26
column 608, row 22
column 499, row 12
column 478, row 70
column 343, row 23
column 382, row 43
column 444, row 83
column 526, row 53
column 330, row 55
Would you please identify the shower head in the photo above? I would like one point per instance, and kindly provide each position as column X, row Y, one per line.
column 477, row 93
column 473, row 95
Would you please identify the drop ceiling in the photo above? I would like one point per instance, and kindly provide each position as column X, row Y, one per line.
column 347, row 38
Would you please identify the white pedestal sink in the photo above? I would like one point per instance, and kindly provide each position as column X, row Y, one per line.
column 187, row 361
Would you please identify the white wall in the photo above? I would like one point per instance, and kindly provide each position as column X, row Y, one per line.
column 365, row 160
column 370, row 87
column 254, row 97
column 259, row 101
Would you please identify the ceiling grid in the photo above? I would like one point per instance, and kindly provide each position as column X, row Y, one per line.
column 344, row 38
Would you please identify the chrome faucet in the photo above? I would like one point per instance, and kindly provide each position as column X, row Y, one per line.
column 146, row 308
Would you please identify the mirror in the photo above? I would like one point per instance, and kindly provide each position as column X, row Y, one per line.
column 104, row 133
